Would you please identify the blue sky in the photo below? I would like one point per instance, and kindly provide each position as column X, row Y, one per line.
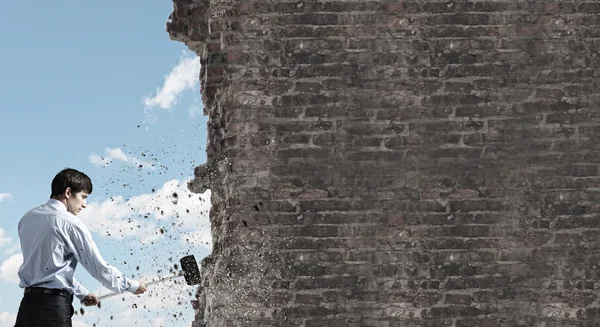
column 100, row 87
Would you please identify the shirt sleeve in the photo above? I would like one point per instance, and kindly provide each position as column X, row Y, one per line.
column 78, row 290
column 86, row 252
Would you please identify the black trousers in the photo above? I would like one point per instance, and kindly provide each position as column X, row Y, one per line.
column 45, row 310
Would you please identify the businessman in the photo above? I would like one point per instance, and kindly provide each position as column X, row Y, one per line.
column 53, row 242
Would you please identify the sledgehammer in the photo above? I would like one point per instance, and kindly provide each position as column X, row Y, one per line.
column 189, row 270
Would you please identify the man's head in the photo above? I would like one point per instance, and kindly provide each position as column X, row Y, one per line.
column 71, row 187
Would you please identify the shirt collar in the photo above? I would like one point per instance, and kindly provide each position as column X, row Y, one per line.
column 57, row 205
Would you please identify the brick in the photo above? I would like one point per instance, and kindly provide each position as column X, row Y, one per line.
column 479, row 322
column 477, row 282
column 459, row 19
column 459, row 243
column 312, row 299
column 462, row 299
column 333, row 322
column 456, row 311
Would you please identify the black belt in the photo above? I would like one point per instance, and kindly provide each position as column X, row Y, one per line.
column 43, row 290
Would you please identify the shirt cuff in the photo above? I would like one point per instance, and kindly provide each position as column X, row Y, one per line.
column 82, row 293
column 133, row 286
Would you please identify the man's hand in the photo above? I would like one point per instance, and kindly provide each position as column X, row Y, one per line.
column 90, row 300
column 142, row 288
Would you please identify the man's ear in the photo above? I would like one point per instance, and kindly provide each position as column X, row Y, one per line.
column 68, row 193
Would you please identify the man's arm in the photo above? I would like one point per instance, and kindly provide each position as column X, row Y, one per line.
column 78, row 290
column 87, row 253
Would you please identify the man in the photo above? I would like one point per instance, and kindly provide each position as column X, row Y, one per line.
column 53, row 241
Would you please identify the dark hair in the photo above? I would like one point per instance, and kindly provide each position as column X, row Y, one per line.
column 72, row 178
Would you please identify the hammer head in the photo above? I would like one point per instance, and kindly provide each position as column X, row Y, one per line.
column 191, row 271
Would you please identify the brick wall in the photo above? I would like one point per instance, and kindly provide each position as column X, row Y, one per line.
column 399, row 163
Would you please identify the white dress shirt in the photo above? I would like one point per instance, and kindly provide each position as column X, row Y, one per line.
column 53, row 241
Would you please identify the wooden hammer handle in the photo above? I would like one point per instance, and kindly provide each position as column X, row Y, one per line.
column 178, row 274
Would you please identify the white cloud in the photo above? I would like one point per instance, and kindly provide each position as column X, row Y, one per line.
column 138, row 220
column 116, row 154
column 4, row 240
column 163, row 304
column 200, row 237
column 160, row 322
column 144, row 215
column 7, row 319
column 13, row 249
column 6, row 197
column 184, row 76
column 10, row 268
column 77, row 323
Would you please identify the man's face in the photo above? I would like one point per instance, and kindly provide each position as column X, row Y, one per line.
column 76, row 201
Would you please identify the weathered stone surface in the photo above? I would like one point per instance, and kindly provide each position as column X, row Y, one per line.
column 399, row 163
